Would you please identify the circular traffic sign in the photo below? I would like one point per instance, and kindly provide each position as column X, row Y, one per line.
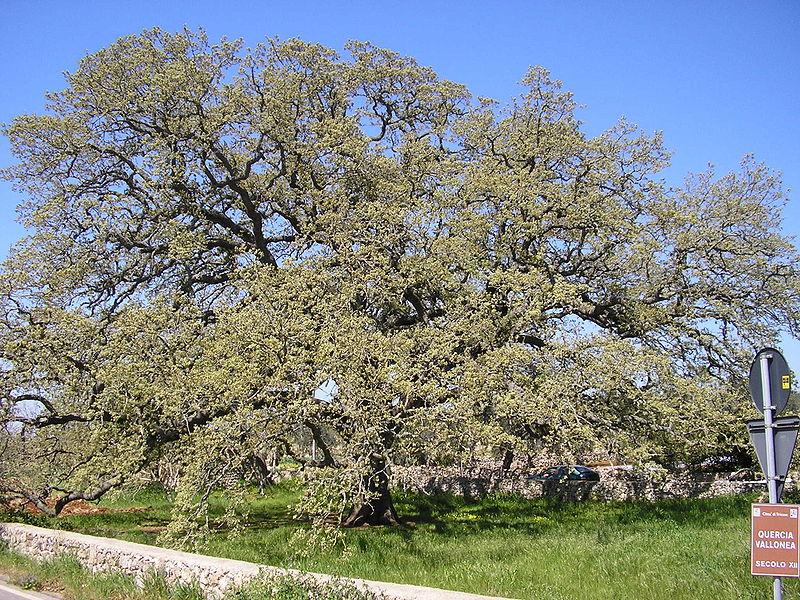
column 779, row 380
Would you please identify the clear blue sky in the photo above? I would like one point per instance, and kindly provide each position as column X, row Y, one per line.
column 721, row 79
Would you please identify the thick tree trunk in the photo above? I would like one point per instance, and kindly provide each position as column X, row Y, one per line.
column 376, row 508
column 508, row 460
column 319, row 440
column 263, row 475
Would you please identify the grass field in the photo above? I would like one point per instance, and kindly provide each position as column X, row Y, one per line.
column 504, row 546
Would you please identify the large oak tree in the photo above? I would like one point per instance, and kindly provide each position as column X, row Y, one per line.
column 217, row 232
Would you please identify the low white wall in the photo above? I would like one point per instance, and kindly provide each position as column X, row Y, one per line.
column 215, row 576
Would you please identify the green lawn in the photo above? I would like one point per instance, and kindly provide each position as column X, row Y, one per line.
column 504, row 546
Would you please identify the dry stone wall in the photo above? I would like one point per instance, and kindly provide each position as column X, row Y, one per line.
column 216, row 577
column 479, row 482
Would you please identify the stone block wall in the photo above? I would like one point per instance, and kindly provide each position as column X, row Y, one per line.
column 216, row 577
column 611, row 487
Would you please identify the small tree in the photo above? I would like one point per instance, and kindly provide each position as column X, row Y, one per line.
column 216, row 233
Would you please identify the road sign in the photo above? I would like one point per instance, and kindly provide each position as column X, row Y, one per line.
column 770, row 386
column 779, row 379
column 785, row 432
column 775, row 539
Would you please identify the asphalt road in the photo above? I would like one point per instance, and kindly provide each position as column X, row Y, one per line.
column 8, row 592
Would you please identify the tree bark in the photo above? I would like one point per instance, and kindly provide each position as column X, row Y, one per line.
column 327, row 457
column 264, row 476
column 376, row 507
column 508, row 459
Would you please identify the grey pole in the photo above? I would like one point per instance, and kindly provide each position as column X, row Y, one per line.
column 769, row 438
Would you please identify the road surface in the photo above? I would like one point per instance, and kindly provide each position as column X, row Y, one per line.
column 8, row 592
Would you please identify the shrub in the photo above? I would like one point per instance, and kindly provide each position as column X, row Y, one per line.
column 301, row 587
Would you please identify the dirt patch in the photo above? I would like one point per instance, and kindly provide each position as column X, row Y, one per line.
column 78, row 507
column 81, row 507
column 152, row 528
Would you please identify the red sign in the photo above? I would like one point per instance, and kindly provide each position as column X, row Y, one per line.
column 775, row 540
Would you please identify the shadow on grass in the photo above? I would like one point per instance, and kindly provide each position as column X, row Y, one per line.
column 448, row 514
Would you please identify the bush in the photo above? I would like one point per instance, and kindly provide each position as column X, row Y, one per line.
column 29, row 582
column 12, row 515
column 300, row 587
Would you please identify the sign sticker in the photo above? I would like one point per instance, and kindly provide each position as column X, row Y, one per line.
column 785, row 382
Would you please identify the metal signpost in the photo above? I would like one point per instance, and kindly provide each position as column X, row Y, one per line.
column 784, row 433
column 774, row 540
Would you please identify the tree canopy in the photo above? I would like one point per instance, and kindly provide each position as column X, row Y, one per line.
column 218, row 232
